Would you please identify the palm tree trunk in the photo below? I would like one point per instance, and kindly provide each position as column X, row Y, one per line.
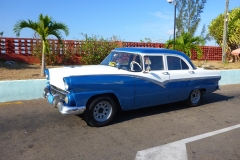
column 43, row 60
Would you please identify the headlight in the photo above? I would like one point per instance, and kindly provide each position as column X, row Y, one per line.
column 69, row 100
column 66, row 86
column 67, row 83
column 66, row 100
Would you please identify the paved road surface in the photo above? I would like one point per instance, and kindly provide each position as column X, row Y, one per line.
column 35, row 130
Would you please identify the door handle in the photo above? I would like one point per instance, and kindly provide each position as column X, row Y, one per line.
column 192, row 72
column 165, row 73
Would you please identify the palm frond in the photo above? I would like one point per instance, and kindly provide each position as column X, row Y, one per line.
column 24, row 24
column 59, row 26
column 186, row 43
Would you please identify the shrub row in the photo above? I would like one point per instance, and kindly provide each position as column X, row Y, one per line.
column 92, row 50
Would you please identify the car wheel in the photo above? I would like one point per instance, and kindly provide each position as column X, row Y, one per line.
column 194, row 98
column 100, row 111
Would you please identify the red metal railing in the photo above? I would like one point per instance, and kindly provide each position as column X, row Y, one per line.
column 21, row 49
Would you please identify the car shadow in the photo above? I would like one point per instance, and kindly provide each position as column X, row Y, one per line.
column 144, row 112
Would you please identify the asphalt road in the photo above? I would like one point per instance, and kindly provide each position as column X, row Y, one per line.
column 35, row 130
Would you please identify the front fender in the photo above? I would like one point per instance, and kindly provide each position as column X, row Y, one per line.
column 82, row 98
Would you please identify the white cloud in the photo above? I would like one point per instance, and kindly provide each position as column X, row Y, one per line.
column 161, row 15
column 170, row 32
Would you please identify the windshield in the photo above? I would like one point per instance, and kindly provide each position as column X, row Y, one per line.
column 126, row 61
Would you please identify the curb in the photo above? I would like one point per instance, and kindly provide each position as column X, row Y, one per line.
column 21, row 89
column 33, row 89
column 230, row 77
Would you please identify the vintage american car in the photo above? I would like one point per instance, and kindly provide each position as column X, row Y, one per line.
column 127, row 79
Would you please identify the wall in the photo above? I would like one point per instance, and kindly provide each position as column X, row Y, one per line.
column 230, row 77
column 21, row 49
column 209, row 52
column 21, row 89
column 33, row 89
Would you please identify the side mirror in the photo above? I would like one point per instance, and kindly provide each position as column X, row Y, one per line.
column 148, row 69
column 118, row 66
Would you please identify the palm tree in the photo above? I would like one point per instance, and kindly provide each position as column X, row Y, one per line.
column 44, row 27
column 186, row 43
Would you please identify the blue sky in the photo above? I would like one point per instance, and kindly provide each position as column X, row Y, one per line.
column 129, row 20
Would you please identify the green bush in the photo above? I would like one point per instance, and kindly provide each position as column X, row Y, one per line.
column 94, row 49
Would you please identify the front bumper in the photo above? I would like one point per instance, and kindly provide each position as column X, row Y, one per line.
column 59, row 103
column 70, row 110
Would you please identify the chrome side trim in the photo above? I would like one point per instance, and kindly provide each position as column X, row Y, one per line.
column 162, row 84
column 70, row 110
column 194, row 78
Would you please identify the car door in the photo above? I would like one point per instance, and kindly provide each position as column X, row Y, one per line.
column 181, row 77
column 152, row 87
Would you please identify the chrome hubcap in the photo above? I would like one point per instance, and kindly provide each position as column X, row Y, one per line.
column 195, row 96
column 102, row 111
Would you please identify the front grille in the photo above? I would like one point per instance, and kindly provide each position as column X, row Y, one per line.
column 62, row 93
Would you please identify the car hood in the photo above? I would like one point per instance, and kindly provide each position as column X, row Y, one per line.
column 56, row 75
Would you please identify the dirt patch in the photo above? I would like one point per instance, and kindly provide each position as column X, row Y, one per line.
column 217, row 65
column 19, row 71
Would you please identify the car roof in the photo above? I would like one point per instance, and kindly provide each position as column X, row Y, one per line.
column 148, row 51
column 144, row 50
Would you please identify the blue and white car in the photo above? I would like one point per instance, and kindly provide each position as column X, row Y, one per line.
column 127, row 79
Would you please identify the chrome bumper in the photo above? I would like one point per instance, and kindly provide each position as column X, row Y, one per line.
column 57, row 102
column 70, row 110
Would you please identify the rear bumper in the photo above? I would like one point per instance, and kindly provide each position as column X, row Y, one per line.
column 59, row 103
column 211, row 89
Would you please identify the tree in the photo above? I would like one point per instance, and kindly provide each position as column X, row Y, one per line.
column 205, row 35
column 1, row 33
column 44, row 27
column 233, row 32
column 146, row 40
column 186, row 43
column 188, row 17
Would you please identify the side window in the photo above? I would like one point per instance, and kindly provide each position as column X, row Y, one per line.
column 155, row 62
column 175, row 63
column 184, row 65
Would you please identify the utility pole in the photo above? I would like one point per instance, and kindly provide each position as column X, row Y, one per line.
column 174, row 29
column 174, row 24
column 225, row 33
